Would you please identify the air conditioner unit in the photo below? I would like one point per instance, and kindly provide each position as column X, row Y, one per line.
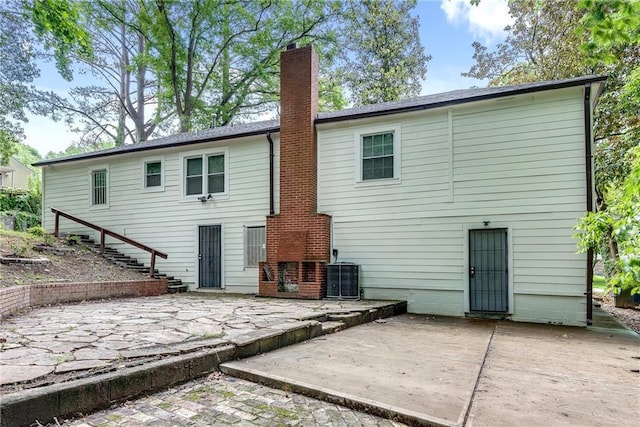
column 342, row 280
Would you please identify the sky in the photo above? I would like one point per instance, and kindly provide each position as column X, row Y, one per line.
column 447, row 30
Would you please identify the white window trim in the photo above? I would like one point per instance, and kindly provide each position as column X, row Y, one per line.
column 244, row 244
column 108, row 181
column 203, row 154
column 143, row 167
column 397, row 161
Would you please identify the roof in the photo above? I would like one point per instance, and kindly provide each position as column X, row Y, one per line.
column 461, row 96
column 178, row 140
column 262, row 128
column 11, row 165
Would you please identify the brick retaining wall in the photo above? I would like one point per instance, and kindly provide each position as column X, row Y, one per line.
column 20, row 297
column 13, row 299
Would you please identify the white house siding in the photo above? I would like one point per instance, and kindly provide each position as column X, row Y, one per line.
column 165, row 220
column 518, row 163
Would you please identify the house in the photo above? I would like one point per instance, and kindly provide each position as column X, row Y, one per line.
column 15, row 175
column 461, row 203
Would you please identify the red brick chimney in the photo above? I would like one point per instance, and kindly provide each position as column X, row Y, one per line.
column 298, row 240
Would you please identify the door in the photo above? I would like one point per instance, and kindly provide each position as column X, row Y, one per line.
column 488, row 278
column 209, row 256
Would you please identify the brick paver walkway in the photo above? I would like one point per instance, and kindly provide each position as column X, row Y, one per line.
column 221, row 400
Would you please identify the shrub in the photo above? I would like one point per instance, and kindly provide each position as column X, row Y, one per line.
column 36, row 231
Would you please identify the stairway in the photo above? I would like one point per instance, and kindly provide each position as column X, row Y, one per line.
column 125, row 261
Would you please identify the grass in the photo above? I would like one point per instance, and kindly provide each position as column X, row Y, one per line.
column 599, row 282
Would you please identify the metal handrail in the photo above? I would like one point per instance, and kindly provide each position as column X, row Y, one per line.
column 105, row 232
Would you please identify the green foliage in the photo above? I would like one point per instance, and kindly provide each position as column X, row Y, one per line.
column 610, row 23
column 72, row 240
column 541, row 44
column 599, row 282
column 17, row 73
column 19, row 200
column 58, row 24
column 75, row 149
column 8, row 146
column 215, row 58
column 611, row 27
column 622, row 221
column 26, row 154
column 36, row 230
column 24, row 206
column 388, row 60
column 24, row 220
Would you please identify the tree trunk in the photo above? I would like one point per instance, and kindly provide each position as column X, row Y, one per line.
column 141, row 68
column 122, row 114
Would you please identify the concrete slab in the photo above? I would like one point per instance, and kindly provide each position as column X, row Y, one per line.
column 418, row 370
column 426, row 371
column 548, row 375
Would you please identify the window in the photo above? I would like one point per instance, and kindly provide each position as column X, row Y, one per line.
column 254, row 246
column 194, row 176
column 377, row 156
column 377, row 151
column 211, row 167
column 99, row 187
column 153, row 174
column 215, row 181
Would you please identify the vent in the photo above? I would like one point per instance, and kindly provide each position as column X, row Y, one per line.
column 342, row 280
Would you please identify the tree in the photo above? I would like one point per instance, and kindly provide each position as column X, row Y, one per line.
column 385, row 61
column 547, row 41
column 114, row 109
column 18, row 54
column 57, row 23
column 165, row 64
column 610, row 26
column 220, row 59
column 17, row 72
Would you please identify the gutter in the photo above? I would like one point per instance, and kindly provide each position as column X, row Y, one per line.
column 589, row 182
column 271, row 206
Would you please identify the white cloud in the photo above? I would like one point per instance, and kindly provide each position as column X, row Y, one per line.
column 485, row 22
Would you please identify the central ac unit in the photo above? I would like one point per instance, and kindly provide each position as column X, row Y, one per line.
column 342, row 280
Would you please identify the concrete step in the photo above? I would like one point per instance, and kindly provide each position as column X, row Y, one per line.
column 177, row 289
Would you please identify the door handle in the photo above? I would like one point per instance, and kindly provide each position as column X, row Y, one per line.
column 199, row 256
column 472, row 272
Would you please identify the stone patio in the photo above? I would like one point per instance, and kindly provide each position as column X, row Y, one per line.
column 54, row 344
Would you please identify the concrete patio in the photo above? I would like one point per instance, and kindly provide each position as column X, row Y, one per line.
column 423, row 370
column 415, row 369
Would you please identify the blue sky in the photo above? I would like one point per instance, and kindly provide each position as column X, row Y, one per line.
column 447, row 29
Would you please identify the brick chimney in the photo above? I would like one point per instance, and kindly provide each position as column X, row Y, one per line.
column 298, row 240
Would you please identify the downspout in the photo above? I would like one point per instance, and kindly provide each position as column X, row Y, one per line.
column 589, row 179
column 271, row 208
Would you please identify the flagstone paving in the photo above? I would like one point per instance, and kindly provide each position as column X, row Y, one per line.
column 220, row 400
column 76, row 340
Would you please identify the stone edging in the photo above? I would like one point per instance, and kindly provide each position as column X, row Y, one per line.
column 17, row 298
column 18, row 260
